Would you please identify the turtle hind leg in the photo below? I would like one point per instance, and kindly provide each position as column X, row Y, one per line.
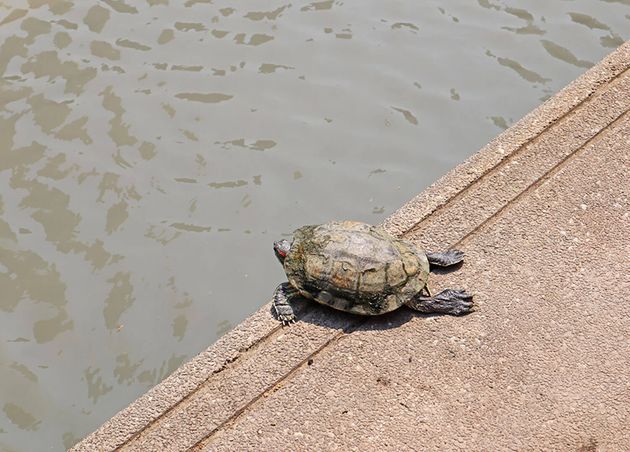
column 449, row 301
column 281, row 306
column 446, row 259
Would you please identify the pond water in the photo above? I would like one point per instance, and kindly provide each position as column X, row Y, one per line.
column 151, row 151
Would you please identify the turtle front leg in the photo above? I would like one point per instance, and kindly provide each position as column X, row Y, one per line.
column 446, row 258
column 281, row 296
column 449, row 301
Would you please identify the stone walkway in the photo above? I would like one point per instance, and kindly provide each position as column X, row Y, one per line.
column 542, row 213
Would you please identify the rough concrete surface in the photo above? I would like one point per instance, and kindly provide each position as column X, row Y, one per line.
column 542, row 213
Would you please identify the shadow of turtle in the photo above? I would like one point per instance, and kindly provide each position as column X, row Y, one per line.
column 446, row 270
column 309, row 311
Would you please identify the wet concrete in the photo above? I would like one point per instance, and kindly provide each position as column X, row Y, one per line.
column 543, row 215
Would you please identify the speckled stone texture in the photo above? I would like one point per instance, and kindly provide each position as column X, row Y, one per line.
column 544, row 363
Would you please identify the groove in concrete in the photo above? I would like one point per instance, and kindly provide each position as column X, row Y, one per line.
column 513, row 156
column 506, row 181
column 216, row 402
column 542, row 179
column 511, row 140
column 226, row 365
column 266, row 393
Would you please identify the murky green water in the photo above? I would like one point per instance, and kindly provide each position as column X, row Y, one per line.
column 151, row 151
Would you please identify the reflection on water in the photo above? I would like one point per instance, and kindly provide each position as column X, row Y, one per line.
column 151, row 151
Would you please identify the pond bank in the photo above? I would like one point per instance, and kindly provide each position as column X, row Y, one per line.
column 542, row 214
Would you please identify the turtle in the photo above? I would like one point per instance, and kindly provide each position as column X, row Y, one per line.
column 360, row 268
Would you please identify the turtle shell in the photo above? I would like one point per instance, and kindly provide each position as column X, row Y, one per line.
column 355, row 267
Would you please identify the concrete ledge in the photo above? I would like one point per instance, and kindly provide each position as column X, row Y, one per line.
column 542, row 214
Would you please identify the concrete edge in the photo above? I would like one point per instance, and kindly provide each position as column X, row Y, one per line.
column 130, row 421
column 439, row 194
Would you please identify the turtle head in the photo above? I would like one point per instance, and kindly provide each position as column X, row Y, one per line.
column 281, row 248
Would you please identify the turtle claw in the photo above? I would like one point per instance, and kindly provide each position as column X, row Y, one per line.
column 286, row 320
column 449, row 301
